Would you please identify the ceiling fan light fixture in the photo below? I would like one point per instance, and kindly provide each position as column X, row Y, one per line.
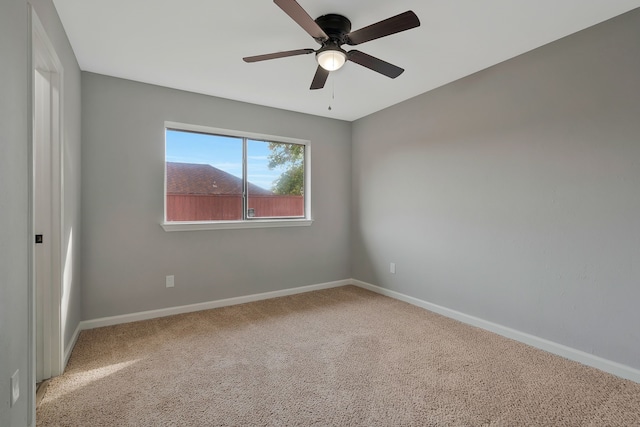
column 331, row 59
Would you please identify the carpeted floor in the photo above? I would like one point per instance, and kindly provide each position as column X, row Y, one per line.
column 337, row 357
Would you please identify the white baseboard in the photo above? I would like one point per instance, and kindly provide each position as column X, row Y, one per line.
column 69, row 348
column 152, row 314
column 580, row 356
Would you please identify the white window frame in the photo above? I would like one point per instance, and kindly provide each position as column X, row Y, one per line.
column 243, row 223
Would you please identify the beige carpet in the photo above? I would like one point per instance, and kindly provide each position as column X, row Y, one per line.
column 338, row 357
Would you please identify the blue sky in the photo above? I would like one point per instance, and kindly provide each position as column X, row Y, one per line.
column 222, row 152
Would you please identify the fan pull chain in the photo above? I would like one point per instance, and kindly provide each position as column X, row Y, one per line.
column 333, row 93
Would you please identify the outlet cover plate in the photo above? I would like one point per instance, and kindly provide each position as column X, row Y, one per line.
column 170, row 281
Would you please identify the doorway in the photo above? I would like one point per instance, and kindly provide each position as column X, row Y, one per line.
column 46, row 206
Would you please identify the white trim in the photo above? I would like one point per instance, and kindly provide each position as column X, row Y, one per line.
column 31, row 291
column 69, row 348
column 307, row 181
column 227, row 225
column 170, row 311
column 580, row 356
column 606, row 365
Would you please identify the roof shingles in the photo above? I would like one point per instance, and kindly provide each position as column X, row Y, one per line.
column 192, row 178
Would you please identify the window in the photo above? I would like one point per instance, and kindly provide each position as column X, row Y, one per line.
column 217, row 178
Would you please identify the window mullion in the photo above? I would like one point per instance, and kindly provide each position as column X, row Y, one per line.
column 245, row 186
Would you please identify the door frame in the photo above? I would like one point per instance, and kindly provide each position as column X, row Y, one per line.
column 44, row 58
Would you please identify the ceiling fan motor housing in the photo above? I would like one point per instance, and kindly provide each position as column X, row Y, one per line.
column 337, row 27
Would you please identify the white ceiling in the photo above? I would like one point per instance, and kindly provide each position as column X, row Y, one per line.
column 198, row 45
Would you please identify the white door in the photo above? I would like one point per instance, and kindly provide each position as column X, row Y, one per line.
column 46, row 204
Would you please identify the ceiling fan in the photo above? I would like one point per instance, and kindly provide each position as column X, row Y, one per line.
column 332, row 31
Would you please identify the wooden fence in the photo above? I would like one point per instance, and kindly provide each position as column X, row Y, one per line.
column 189, row 207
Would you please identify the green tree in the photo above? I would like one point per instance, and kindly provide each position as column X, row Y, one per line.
column 289, row 157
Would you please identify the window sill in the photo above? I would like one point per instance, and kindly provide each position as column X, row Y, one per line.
column 226, row 225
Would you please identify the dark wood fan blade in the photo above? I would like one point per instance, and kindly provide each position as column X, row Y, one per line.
column 319, row 79
column 302, row 18
column 277, row 55
column 374, row 64
column 395, row 24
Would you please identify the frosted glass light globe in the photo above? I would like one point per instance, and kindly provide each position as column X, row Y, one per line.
column 331, row 60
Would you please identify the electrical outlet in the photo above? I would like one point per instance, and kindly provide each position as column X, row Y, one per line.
column 15, row 387
column 392, row 268
column 170, row 281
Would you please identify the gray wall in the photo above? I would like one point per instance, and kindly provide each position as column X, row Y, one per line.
column 14, row 322
column 15, row 240
column 127, row 254
column 513, row 195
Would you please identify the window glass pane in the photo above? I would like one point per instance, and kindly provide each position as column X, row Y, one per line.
column 275, row 175
column 204, row 177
